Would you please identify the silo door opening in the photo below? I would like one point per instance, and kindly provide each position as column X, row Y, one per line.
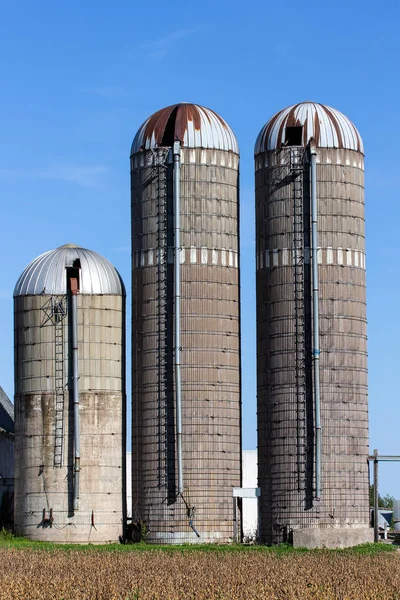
column 73, row 274
column 294, row 136
column 169, row 131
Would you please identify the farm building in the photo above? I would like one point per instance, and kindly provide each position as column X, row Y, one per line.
column 250, row 505
column 6, row 459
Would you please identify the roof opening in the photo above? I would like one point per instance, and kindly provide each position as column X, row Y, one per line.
column 73, row 276
column 169, row 131
column 294, row 136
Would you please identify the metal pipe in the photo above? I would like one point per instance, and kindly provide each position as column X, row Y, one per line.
column 315, row 291
column 383, row 458
column 177, row 303
column 191, row 524
column 75, row 383
column 376, row 507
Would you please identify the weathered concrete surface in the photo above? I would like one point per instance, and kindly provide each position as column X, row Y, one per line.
column 40, row 486
column 285, row 402
column 210, row 346
column 332, row 537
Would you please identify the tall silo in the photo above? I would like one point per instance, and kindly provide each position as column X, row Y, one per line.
column 186, row 440
column 311, row 329
column 69, row 313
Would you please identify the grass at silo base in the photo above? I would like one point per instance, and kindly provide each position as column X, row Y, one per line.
column 44, row 572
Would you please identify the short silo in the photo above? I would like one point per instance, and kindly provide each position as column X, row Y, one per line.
column 69, row 314
column 311, row 329
column 186, row 442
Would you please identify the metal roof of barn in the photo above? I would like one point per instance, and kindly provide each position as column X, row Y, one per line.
column 6, row 412
column 46, row 274
column 329, row 127
column 193, row 125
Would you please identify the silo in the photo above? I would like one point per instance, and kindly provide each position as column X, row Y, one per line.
column 311, row 329
column 69, row 314
column 186, row 440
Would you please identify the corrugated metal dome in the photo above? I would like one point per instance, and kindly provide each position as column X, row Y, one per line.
column 46, row 274
column 192, row 125
column 329, row 127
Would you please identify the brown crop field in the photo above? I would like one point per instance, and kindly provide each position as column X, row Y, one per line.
column 247, row 574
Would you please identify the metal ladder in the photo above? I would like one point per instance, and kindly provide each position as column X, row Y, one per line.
column 54, row 312
column 162, row 313
column 297, row 171
column 59, row 312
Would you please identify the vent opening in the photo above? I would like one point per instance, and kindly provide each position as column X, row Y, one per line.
column 169, row 131
column 294, row 136
column 73, row 274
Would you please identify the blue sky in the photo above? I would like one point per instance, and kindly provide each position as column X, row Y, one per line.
column 79, row 78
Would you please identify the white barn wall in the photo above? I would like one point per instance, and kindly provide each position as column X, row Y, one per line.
column 250, row 473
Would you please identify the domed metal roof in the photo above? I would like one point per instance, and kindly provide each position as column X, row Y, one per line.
column 329, row 127
column 46, row 274
column 192, row 125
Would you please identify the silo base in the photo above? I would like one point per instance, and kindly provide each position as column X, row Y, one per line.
column 184, row 537
column 332, row 537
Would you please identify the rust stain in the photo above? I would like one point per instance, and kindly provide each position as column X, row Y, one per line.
column 335, row 125
column 157, row 123
column 176, row 118
column 305, row 130
column 282, row 127
column 269, row 127
column 186, row 113
column 330, row 119
column 316, row 128
column 291, row 120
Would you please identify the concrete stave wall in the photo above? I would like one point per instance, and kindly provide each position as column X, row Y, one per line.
column 343, row 359
column 38, row 483
column 210, row 361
